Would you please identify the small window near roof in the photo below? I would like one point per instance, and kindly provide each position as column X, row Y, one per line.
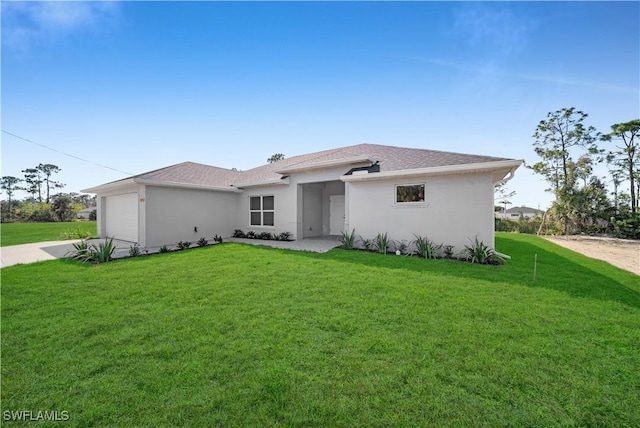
column 410, row 193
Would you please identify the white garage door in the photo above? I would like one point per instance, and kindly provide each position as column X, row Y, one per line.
column 122, row 217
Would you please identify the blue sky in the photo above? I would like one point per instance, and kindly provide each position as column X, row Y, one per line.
column 137, row 86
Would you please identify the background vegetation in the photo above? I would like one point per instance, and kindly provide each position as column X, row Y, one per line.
column 569, row 150
column 41, row 205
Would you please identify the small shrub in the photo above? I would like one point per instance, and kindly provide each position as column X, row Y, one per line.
column 402, row 246
column 134, row 250
column 80, row 252
column 348, row 240
column 82, row 233
column 100, row 253
column 285, row 236
column 251, row 234
column 426, row 248
column 264, row 235
column 367, row 244
column 183, row 245
column 77, row 233
column 202, row 242
column 628, row 228
column 382, row 243
column 237, row 234
column 163, row 249
column 103, row 252
column 68, row 234
column 218, row 239
column 480, row 253
column 448, row 251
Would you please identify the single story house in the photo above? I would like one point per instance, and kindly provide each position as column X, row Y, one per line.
column 85, row 213
column 371, row 188
column 525, row 212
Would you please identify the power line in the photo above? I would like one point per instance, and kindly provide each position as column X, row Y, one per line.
column 64, row 153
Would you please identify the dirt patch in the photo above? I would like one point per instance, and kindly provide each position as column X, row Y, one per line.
column 623, row 253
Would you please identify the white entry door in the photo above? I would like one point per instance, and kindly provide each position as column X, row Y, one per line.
column 336, row 214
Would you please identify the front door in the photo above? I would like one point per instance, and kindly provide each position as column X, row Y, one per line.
column 336, row 214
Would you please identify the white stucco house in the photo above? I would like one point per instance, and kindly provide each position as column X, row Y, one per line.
column 370, row 188
column 85, row 213
column 525, row 212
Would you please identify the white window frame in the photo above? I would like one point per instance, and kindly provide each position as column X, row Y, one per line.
column 409, row 203
column 262, row 211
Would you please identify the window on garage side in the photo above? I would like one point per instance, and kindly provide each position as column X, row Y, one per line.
column 410, row 193
column 261, row 210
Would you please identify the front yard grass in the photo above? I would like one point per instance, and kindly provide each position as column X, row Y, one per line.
column 25, row 233
column 237, row 335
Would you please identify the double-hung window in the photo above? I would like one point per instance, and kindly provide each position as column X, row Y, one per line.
column 261, row 209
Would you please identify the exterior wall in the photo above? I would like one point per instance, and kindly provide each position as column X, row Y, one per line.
column 312, row 209
column 456, row 208
column 171, row 214
column 289, row 201
column 285, row 214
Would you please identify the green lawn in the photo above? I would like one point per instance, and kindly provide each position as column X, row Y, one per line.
column 24, row 233
column 236, row 335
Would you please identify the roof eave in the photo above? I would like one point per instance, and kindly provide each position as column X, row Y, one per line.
column 326, row 164
column 176, row 184
column 115, row 185
column 274, row 182
column 469, row 168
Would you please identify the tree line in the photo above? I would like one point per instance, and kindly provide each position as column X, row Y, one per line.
column 569, row 150
column 41, row 204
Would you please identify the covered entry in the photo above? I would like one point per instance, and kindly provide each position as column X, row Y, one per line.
column 323, row 208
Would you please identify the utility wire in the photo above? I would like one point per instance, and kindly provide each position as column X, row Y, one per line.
column 64, row 153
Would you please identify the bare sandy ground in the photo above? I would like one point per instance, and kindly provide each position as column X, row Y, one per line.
column 623, row 253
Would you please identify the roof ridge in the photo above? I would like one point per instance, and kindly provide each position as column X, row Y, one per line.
column 318, row 155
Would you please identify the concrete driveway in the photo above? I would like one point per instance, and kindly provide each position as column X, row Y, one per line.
column 35, row 252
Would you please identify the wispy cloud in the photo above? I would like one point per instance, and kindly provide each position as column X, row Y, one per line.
column 557, row 80
column 493, row 27
column 27, row 23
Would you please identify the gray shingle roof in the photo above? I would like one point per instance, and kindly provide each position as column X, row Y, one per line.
column 391, row 159
column 192, row 173
column 523, row 210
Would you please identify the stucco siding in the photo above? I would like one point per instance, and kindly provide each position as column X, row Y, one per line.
column 456, row 208
column 172, row 214
column 284, row 199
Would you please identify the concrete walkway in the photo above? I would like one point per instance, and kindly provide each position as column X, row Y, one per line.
column 316, row 245
column 35, row 252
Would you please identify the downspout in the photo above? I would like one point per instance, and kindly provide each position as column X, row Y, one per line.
column 509, row 176
column 504, row 180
